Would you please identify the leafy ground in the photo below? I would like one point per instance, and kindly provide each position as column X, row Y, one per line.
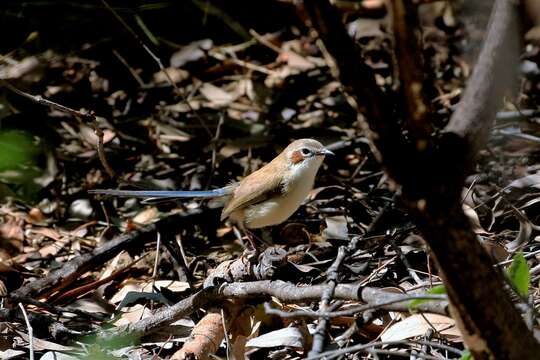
column 247, row 80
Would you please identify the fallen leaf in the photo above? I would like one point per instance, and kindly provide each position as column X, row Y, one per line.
column 11, row 354
column 191, row 52
column 416, row 325
column 55, row 355
column 40, row 344
column 172, row 285
column 523, row 237
column 217, row 96
column 474, row 219
column 176, row 75
column 20, row 68
column 526, row 181
column 146, row 216
column 336, row 228
column 133, row 314
column 290, row 336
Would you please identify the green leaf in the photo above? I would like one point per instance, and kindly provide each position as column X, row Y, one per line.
column 466, row 355
column 519, row 275
column 16, row 149
column 437, row 290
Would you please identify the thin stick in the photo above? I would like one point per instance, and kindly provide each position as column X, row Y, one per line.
column 225, row 335
column 30, row 332
column 156, row 260
column 352, row 311
column 133, row 73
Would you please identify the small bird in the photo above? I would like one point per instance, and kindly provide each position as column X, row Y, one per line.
column 266, row 197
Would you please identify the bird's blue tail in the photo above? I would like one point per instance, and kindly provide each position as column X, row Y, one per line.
column 165, row 194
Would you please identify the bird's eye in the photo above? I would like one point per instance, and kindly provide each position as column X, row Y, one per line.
column 305, row 151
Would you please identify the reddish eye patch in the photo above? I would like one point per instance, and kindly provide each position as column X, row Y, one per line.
column 296, row 157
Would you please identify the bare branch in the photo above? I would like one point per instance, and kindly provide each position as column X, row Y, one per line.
column 495, row 69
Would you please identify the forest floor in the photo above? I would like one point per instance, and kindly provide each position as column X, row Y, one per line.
column 247, row 80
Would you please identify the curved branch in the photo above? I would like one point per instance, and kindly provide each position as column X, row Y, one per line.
column 495, row 68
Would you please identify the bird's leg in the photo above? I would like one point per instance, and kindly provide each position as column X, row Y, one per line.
column 254, row 251
column 251, row 238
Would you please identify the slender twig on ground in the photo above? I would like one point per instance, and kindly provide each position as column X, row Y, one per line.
column 30, row 332
column 355, row 310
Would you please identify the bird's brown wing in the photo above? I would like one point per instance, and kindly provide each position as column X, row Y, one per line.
column 256, row 187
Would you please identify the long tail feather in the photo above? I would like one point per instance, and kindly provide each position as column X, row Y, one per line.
column 164, row 193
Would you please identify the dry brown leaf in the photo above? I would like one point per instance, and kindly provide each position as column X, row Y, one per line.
column 474, row 219
column 146, row 216
column 176, row 75
column 295, row 61
column 12, row 228
column 40, row 344
column 11, row 354
column 172, row 285
column 133, row 314
column 418, row 324
column 523, row 237
column 217, row 96
column 35, row 216
column 53, row 248
column 127, row 286
column 47, row 232
column 191, row 52
column 19, row 69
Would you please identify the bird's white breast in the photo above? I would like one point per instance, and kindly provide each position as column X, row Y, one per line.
column 296, row 186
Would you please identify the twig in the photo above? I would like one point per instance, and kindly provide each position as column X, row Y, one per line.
column 218, row 56
column 332, row 280
column 72, row 269
column 87, row 117
column 30, row 332
column 355, row 310
column 133, row 73
column 364, row 347
column 156, row 260
column 264, row 41
column 403, row 258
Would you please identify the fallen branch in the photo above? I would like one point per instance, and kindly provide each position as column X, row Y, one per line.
column 284, row 291
column 73, row 269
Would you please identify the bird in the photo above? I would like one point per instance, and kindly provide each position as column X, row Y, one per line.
column 267, row 196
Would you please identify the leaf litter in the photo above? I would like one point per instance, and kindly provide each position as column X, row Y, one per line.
column 241, row 103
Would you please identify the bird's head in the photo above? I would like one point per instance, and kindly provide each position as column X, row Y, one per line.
column 306, row 153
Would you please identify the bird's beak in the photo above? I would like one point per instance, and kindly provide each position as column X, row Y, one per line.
column 325, row 152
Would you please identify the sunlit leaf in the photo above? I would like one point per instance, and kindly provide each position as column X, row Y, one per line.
column 466, row 355
column 519, row 274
